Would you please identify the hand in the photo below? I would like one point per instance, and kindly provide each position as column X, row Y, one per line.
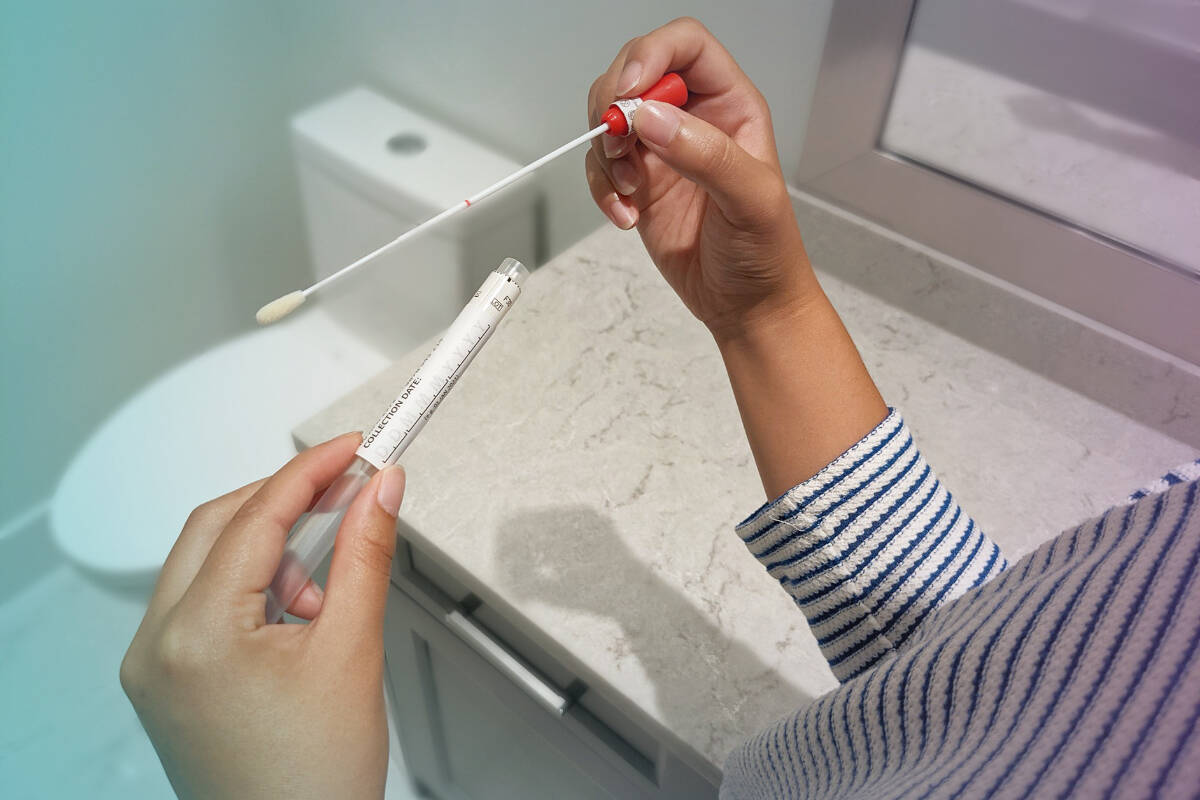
column 239, row 708
column 703, row 186
column 706, row 192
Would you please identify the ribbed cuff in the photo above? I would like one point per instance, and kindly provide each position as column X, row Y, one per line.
column 868, row 546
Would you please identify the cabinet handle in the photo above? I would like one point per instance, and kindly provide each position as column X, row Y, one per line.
column 500, row 658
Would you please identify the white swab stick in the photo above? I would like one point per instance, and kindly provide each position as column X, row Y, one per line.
column 465, row 204
column 618, row 120
column 279, row 308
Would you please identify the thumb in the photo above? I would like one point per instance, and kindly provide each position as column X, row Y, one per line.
column 744, row 188
column 360, row 572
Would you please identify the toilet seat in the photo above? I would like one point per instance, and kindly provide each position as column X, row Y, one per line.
column 215, row 422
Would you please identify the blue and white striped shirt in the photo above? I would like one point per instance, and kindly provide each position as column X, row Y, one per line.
column 1073, row 673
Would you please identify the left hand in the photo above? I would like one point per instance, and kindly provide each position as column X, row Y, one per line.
column 239, row 708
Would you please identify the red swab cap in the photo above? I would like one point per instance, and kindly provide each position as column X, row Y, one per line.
column 669, row 89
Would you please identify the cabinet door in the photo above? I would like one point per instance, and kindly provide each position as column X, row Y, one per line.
column 471, row 732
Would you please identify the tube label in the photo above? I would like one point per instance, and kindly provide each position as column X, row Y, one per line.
column 627, row 107
column 441, row 369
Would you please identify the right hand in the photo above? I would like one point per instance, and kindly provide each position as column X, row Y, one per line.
column 703, row 186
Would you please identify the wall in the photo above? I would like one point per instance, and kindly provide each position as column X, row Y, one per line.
column 146, row 205
column 514, row 76
column 147, row 199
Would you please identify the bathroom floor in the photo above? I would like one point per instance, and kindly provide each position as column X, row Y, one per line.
column 69, row 731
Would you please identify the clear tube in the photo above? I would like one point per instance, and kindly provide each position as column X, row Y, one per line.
column 312, row 537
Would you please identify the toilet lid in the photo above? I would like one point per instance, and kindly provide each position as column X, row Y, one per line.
column 206, row 427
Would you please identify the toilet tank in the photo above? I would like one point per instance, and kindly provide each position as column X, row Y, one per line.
column 369, row 170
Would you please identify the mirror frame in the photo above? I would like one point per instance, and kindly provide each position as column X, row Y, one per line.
column 843, row 162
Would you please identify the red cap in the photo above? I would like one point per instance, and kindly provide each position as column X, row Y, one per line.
column 669, row 89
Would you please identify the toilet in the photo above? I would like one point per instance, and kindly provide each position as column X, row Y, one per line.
column 369, row 169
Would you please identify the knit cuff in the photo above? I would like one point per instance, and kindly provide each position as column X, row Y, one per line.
column 868, row 546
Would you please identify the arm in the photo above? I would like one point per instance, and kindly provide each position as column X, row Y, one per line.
column 803, row 391
column 708, row 197
column 869, row 546
column 863, row 536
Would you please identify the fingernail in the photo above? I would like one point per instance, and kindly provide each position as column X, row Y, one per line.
column 391, row 490
column 622, row 215
column 629, row 78
column 612, row 146
column 625, row 176
column 657, row 123
column 355, row 434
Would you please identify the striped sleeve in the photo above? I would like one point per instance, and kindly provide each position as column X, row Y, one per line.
column 869, row 546
column 1184, row 473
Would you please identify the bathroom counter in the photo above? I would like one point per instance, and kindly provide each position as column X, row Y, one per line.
column 585, row 477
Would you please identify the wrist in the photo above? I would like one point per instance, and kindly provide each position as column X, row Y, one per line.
column 787, row 293
column 777, row 318
column 801, row 387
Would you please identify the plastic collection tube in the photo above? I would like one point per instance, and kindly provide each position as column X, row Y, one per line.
column 312, row 537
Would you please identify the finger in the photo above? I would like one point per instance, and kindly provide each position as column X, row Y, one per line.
column 622, row 172
column 620, row 211
column 685, row 46
column 749, row 192
column 202, row 528
column 247, row 553
column 615, row 166
column 600, row 97
column 360, row 572
column 308, row 603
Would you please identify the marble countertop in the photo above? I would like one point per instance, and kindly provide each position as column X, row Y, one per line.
column 585, row 476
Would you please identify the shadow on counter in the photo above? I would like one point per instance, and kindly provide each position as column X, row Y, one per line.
column 707, row 688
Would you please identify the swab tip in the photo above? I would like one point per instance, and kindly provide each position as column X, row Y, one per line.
column 279, row 308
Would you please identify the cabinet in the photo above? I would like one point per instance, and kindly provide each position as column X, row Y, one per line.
column 478, row 720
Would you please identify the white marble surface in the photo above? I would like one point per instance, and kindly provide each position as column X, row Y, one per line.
column 1116, row 370
column 585, row 476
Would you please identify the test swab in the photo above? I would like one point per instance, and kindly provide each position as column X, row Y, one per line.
column 312, row 537
column 617, row 121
